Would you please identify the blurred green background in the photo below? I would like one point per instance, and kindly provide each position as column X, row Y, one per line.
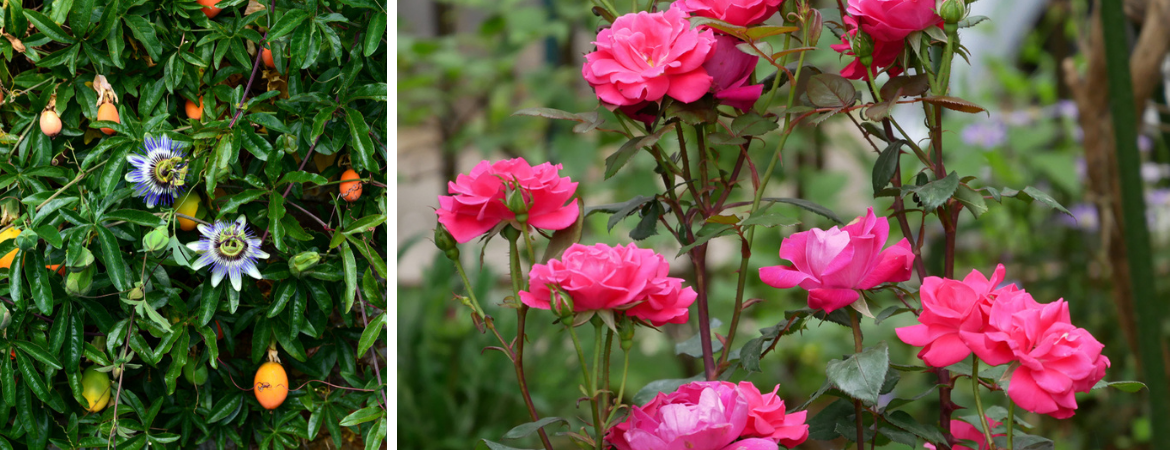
column 466, row 65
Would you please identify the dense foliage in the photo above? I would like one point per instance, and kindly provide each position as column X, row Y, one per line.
column 162, row 252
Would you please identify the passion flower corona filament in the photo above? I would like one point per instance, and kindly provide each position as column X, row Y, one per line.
column 159, row 174
column 230, row 249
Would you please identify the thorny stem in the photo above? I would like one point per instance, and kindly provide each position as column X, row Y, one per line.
column 518, row 353
column 979, row 401
column 857, row 347
column 900, row 208
column 741, row 282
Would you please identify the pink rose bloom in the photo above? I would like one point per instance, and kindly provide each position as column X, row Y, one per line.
column 476, row 204
column 731, row 71
column 948, row 307
column 736, row 12
column 1052, row 358
column 767, row 418
column 885, row 54
column 601, row 277
column 833, row 264
column 893, row 20
column 963, row 430
column 701, row 415
column 646, row 56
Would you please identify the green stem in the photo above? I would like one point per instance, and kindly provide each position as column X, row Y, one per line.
column 517, row 354
column 877, row 93
column 580, row 356
column 621, row 390
column 979, row 402
column 604, row 391
column 1011, row 423
column 467, row 285
column 595, row 393
column 763, row 106
column 741, row 282
column 913, row 146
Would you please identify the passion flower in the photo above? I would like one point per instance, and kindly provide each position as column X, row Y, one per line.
column 159, row 173
column 230, row 249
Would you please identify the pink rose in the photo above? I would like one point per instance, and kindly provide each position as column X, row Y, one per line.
column 646, row 56
column 476, row 204
column 833, row 264
column 601, row 277
column 701, row 415
column 963, row 430
column 767, row 418
column 893, row 20
column 948, row 307
column 1052, row 359
column 731, row 71
column 736, row 12
column 885, row 54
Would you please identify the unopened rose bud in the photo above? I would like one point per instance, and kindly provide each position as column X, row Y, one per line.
column 511, row 233
column 952, row 11
column 446, row 243
column 815, row 22
column 517, row 203
column 303, row 261
column 562, row 305
column 863, row 47
column 626, row 333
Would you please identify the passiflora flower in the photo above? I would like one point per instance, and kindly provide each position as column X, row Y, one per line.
column 159, row 172
column 230, row 249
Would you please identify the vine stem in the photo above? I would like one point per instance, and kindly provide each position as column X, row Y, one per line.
column 979, row 401
column 255, row 68
column 372, row 351
column 518, row 354
column 855, row 320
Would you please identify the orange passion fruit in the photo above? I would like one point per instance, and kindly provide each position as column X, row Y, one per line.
column 209, row 8
column 50, row 123
column 268, row 61
column 271, row 385
column 351, row 191
column 195, row 112
column 109, row 113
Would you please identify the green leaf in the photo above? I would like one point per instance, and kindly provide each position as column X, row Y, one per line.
column 828, row 90
column 29, row 375
column 371, row 333
column 933, row 194
column 807, row 205
column 708, row 232
column 1021, row 441
column 361, row 225
column 225, row 151
column 235, row 201
column 752, row 124
column 209, row 301
column 48, row 27
column 144, row 32
column 652, row 388
column 284, row 293
column 861, row 375
column 374, row 32
column 226, row 406
column 362, row 151
column 971, row 199
column 42, row 291
column 39, row 353
column 287, row 23
column 887, row 164
column 134, row 216
column 648, row 225
column 761, row 218
column 614, row 162
column 563, row 239
column 111, row 256
column 302, row 177
column 275, row 213
column 363, row 415
column 350, row 267
column 524, row 430
column 1125, row 386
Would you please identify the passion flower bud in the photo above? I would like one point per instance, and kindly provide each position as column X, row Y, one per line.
column 156, row 240
column 863, row 47
column 78, row 283
column 137, row 293
column 27, row 240
column 303, row 261
column 446, row 243
column 952, row 11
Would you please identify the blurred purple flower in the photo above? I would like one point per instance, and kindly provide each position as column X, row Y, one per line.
column 1018, row 118
column 1066, row 109
column 988, row 135
column 1084, row 217
column 1081, row 168
column 1153, row 172
column 1145, row 144
column 1158, row 198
